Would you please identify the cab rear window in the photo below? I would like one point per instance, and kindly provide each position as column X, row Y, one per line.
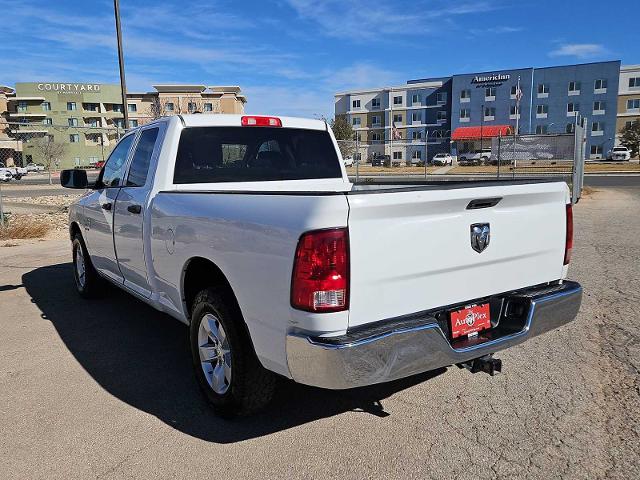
column 252, row 154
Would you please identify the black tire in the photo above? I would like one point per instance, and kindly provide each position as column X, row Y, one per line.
column 89, row 287
column 251, row 386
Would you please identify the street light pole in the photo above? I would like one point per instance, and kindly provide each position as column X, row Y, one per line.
column 123, row 85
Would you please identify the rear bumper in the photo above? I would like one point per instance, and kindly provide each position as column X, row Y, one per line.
column 391, row 350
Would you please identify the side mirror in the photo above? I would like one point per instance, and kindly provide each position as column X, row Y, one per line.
column 74, row 178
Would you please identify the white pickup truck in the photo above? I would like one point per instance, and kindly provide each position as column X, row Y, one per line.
column 247, row 229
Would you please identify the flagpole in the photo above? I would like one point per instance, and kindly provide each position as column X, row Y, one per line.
column 515, row 133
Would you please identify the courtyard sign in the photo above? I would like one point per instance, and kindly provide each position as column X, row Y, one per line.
column 69, row 87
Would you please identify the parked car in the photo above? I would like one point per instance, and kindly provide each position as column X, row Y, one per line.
column 277, row 262
column 477, row 157
column 619, row 153
column 381, row 161
column 35, row 167
column 442, row 159
column 16, row 172
column 5, row 175
column 348, row 161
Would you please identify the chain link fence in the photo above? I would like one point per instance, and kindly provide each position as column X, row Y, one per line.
column 44, row 147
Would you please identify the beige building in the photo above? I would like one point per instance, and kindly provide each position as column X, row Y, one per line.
column 628, row 96
column 177, row 99
column 10, row 148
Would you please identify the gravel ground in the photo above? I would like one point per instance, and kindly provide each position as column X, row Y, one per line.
column 103, row 389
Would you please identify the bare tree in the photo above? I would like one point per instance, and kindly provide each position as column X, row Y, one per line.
column 50, row 151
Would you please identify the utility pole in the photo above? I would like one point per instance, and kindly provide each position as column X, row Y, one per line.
column 426, row 143
column 123, row 85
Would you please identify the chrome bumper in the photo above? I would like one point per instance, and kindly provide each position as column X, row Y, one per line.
column 418, row 344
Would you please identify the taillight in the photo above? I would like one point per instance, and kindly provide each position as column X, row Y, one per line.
column 320, row 280
column 568, row 246
column 254, row 121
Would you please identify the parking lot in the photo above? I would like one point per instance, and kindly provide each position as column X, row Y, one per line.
column 104, row 389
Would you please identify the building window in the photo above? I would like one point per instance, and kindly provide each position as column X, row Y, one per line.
column 542, row 111
column 191, row 106
column 541, row 129
column 91, row 107
column 598, row 107
column 117, row 107
column 375, row 120
column 46, row 106
column 415, row 99
column 416, row 155
column 168, row 106
column 74, row 138
column 441, row 116
column 208, row 107
column 597, row 128
column 465, row 95
column 543, row 89
column 514, row 90
column 513, row 110
column 633, row 104
column 133, row 123
column 600, row 85
column 416, row 135
column 397, row 155
column 596, row 149
column 465, row 113
column 73, row 122
column 71, row 106
column 375, row 103
column 376, row 137
column 573, row 108
column 634, row 82
column 397, row 118
column 355, row 104
column 94, row 122
column 574, row 88
column 416, row 117
column 489, row 113
column 47, row 121
column 490, row 93
column 570, row 128
column 397, row 100
column 441, row 98
column 22, row 106
column 355, row 121
column 132, row 107
column 119, row 122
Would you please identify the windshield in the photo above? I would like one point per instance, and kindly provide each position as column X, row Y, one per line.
column 252, row 154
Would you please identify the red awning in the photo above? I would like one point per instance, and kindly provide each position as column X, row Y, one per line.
column 486, row 131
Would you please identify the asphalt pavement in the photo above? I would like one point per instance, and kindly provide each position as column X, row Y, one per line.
column 104, row 388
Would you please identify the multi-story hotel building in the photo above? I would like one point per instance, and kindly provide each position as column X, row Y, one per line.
column 629, row 96
column 443, row 108
column 88, row 118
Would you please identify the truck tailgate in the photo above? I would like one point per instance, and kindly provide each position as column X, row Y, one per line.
column 411, row 250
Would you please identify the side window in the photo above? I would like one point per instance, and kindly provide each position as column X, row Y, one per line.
column 114, row 168
column 142, row 158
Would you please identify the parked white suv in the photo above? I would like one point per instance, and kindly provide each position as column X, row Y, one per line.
column 16, row 172
column 619, row 153
column 35, row 167
column 5, row 175
column 442, row 159
column 478, row 157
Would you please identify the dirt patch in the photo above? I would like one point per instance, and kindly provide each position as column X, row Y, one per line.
column 19, row 227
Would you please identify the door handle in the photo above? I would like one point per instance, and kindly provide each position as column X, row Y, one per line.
column 106, row 206
column 134, row 208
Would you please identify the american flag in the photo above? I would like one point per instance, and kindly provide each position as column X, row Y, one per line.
column 518, row 93
column 395, row 134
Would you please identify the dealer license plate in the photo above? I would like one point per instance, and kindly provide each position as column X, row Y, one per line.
column 470, row 320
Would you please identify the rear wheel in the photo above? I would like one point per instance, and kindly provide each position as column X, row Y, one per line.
column 226, row 367
column 86, row 277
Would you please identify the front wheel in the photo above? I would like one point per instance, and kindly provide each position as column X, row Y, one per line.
column 226, row 367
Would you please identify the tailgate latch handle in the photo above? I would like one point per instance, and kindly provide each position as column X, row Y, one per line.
column 483, row 203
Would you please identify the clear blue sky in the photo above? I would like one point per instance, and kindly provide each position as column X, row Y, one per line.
column 291, row 56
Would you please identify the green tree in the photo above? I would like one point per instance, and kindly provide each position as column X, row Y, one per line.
column 630, row 137
column 344, row 133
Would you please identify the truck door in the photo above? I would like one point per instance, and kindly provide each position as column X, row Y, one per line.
column 99, row 209
column 129, row 213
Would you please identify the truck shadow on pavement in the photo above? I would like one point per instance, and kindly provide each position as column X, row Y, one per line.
column 141, row 356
